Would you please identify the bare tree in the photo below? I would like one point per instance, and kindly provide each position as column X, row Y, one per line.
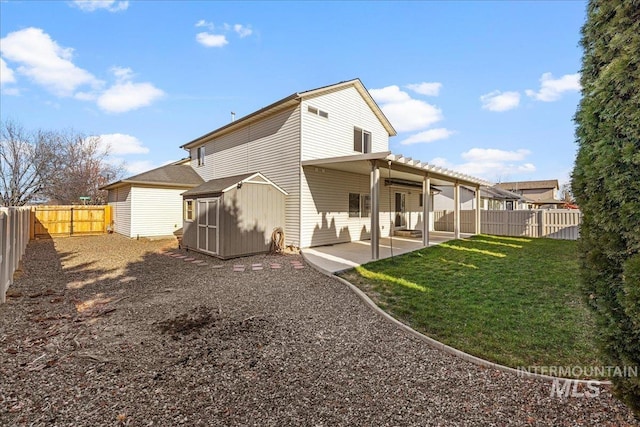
column 52, row 165
column 26, row 163
column 566, row 194
column 83, row 168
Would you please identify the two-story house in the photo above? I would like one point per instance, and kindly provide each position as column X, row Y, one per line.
column 323, row 156
column 537, row 194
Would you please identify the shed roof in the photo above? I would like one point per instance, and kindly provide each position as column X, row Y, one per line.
column 221, row 185
column 529, row 185
column 289, row 102
column 178, row 174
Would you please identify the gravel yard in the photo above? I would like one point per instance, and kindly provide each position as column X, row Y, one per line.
column 108, row 331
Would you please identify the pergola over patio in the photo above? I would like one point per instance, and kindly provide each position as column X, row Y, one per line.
column 400, row 168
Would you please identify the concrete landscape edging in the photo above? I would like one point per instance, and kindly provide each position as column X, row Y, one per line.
column 443, row 347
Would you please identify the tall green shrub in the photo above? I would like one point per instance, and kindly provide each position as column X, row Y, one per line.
column 606, row 181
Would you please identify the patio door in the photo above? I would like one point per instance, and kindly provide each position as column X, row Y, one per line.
column 401, row 210
column 208, row 217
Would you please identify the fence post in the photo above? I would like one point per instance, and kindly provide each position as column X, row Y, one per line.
column 3, row 255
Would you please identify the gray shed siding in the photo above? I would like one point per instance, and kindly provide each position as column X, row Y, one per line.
column 247, row 218
column 270, row 146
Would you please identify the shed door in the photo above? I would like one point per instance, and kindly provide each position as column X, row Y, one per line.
column 208, row 225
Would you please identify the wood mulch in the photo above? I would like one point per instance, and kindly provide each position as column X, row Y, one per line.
column 104, row 330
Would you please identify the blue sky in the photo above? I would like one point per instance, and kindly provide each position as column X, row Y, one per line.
column 486, row 88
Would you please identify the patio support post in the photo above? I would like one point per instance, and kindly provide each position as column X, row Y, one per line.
column 456, row 210
column 478, row 201
column 426, row 208
column 375, row 210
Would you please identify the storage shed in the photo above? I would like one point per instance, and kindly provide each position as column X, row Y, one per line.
column 233, row 216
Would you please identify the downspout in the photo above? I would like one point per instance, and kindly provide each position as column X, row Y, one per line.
column 391, row 222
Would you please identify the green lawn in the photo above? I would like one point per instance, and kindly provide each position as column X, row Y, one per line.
column 513, row 301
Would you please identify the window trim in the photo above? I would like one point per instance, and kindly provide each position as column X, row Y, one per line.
column 200, row 155
column 364, row 206
column 364, row 146
column 189, row 210
column 317, row 112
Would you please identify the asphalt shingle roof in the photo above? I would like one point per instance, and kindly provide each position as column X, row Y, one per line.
column 175, row 174
column 216, row 186
column 529, row 185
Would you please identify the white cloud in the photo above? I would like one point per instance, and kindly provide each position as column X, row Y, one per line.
column 45, row 62
column 139, row 166
column 211, row 40
column 118, row 144
column 243, row 31
column 389, row 94
column 6, row 73
column 500, row 101
column 93, row 5
column 490, row 163
column 552, row 89
column 429, row 89
column 203, row 23
column 493, row 154
column 127, row 96
column 122, row 73
column 405, row 113
column 428, row 136
column 50, row 66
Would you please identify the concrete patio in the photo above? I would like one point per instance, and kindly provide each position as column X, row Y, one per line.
column 343, row 256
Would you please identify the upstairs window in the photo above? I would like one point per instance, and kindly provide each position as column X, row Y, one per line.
column 361, row 140
column 200, row 154
column 317, row 112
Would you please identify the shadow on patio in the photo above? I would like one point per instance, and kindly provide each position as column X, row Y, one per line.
column 343, row 256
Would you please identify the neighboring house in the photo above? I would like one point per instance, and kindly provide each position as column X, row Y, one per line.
column 327, row 150
column 150, row 204
column 537, row 194
column 491, row 198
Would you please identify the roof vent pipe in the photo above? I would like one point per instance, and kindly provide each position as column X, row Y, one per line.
column 233, row 116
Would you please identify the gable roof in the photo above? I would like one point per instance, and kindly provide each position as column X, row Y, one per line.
column 178, row 174
column 529, row 185
column 499, row 193
column 291, row 101
column 221, row 185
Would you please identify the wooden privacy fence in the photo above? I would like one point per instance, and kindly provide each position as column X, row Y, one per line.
column 14, row 236
column 551, row 223
column 50, row 221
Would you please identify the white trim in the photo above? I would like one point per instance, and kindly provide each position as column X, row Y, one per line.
column 207, row 226
column 248, row 180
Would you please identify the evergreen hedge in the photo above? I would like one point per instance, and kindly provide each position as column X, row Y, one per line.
column 606, row 181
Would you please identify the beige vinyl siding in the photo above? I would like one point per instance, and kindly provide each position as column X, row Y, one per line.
column 155, row 211
column 412, row 206
column 120, row 202
column 271, row 147
column 333, row 136
column 444, row 200
column 325, row 207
